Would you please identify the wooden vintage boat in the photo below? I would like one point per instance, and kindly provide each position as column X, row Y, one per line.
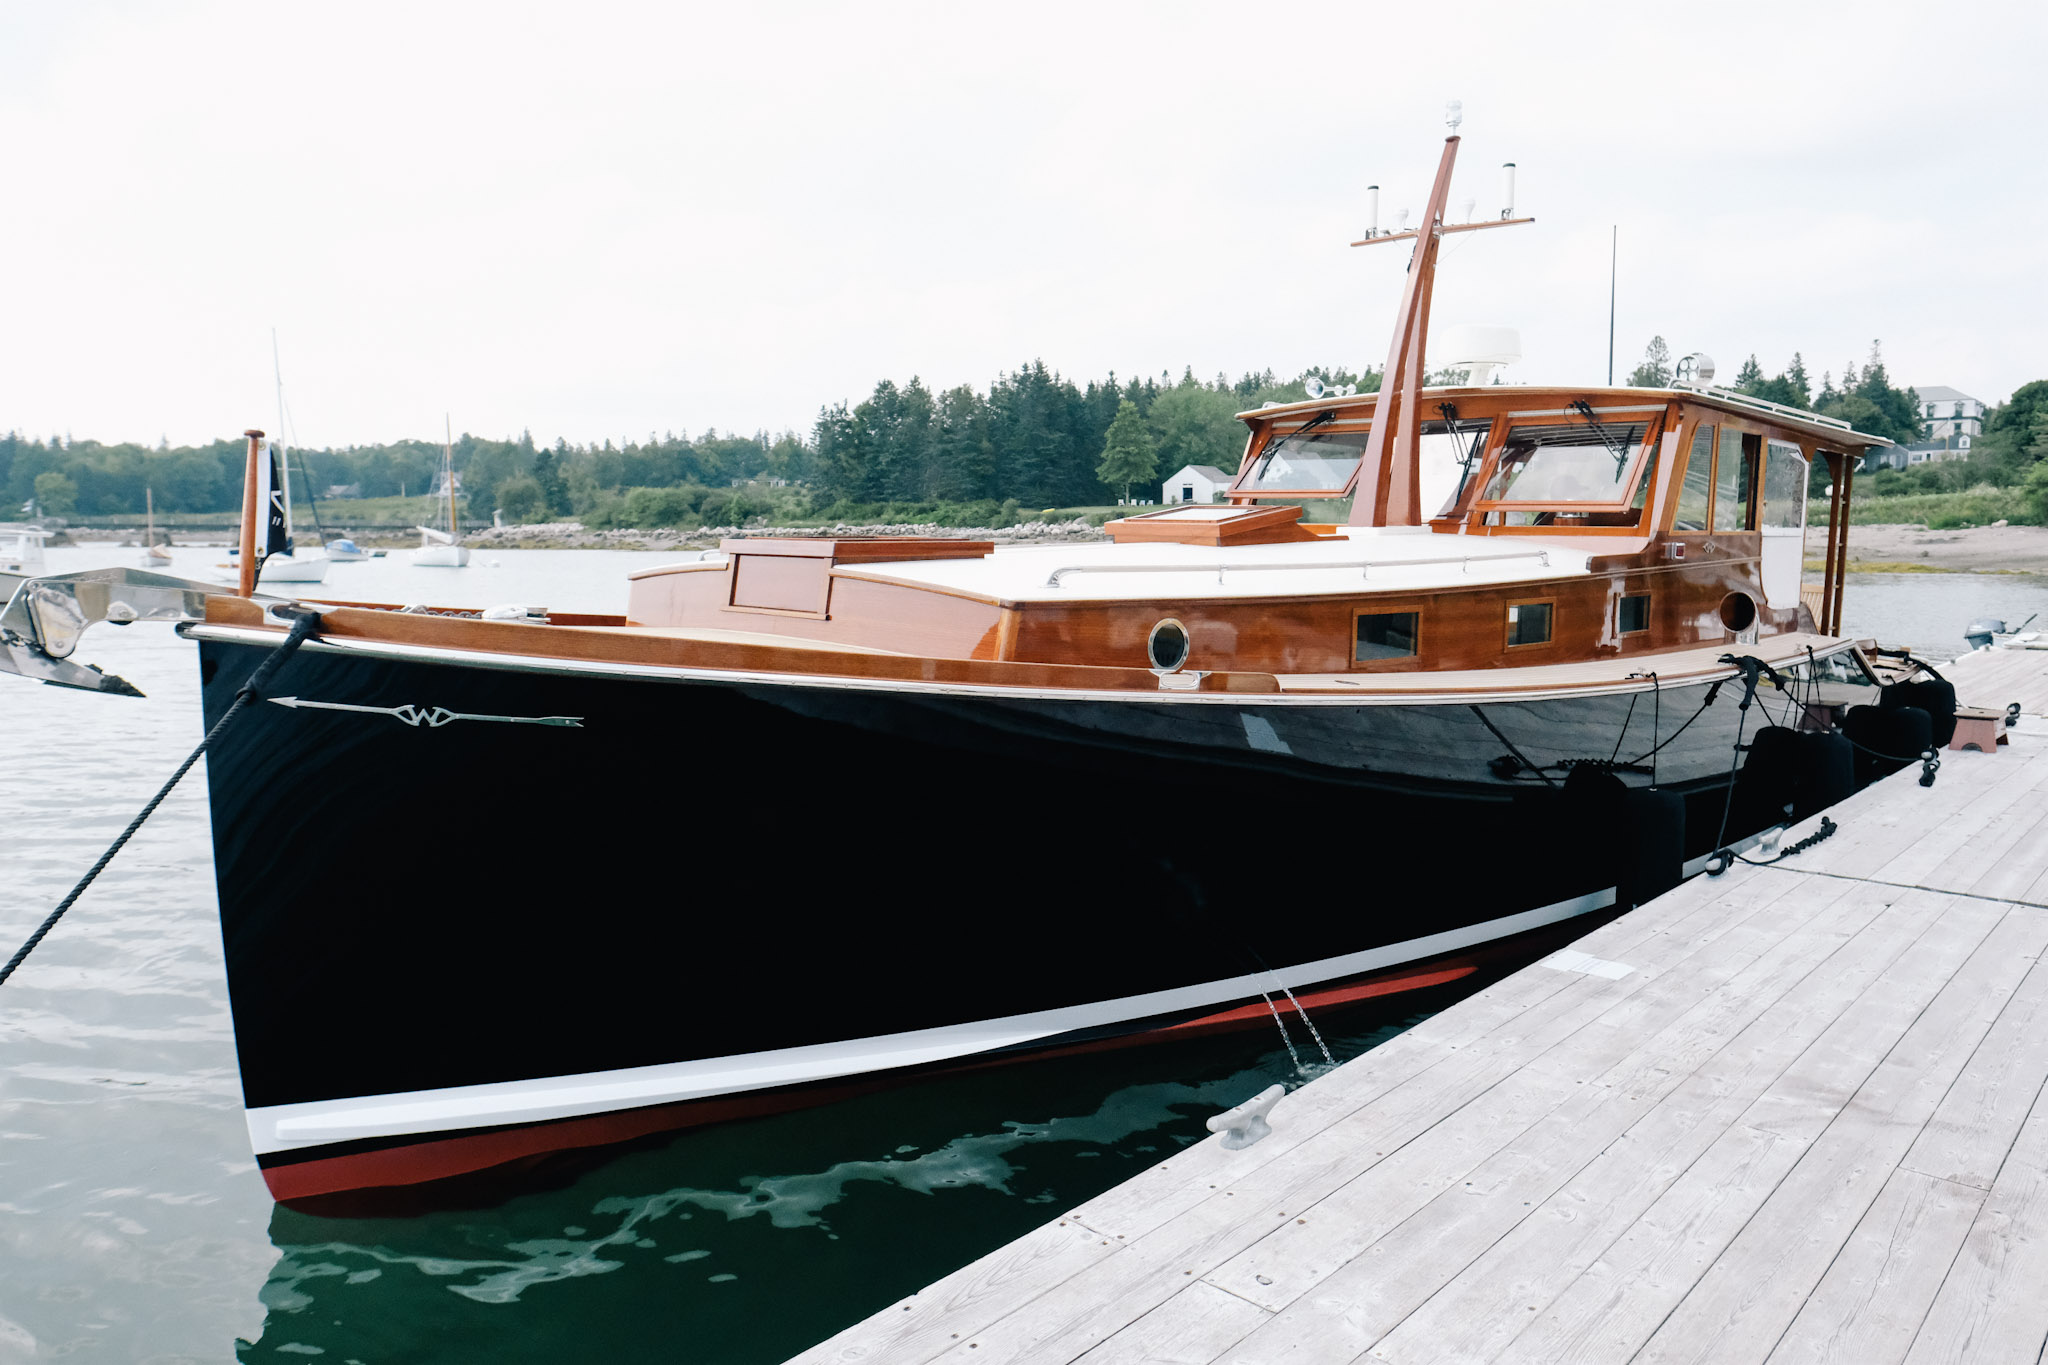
column 1452, row 670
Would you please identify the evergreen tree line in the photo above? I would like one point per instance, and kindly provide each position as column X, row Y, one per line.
column 1033, row 438
column 1865, row 399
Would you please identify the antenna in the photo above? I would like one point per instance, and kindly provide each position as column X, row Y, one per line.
column 277, row 372
column 1507, row 189
column 1613, row 275
column 1372, row 210
column 1454, row 114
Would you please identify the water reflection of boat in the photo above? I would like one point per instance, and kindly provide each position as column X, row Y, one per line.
column 965, row 804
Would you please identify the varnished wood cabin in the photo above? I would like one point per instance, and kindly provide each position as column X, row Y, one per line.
column 1568, row 524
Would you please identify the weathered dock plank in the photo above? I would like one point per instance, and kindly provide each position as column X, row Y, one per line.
column 1807, row 1123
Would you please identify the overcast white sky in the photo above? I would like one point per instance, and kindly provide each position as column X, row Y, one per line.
column 599, row 220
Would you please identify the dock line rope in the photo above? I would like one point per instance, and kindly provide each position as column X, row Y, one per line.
column 250, row 690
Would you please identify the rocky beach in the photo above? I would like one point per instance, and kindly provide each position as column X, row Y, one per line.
column 1915, row 549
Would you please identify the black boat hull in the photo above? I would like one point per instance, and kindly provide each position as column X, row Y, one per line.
column 479, row 908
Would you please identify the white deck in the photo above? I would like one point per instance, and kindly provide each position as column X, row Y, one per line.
column 1794, row 1114
column 1361, row 557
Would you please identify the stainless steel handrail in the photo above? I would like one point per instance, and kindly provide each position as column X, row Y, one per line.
column 1364, row 566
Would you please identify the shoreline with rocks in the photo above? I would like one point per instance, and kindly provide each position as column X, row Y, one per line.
column 573, row 535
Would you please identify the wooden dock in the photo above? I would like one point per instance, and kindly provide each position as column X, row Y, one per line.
column 1795, row 1113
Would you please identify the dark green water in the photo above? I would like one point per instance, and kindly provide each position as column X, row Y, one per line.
column 751, row 1241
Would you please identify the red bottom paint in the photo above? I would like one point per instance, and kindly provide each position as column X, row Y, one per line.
column 435, row 1159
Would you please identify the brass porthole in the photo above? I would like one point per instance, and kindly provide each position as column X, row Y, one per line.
column 1167, row 645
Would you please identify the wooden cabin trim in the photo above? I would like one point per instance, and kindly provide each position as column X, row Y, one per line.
column 919, row 585
column 518, row 644
column 662, row 570
column 1240, row 524
column 639, row 653
column 772, row 666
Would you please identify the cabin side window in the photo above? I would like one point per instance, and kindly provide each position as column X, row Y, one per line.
column 1734, row 480
column 1784, row 487
column 1529, row 623
column 1697, row 492
column 1632, row 614
column 1387, row 635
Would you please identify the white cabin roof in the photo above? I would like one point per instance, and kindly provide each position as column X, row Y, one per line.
column 1378, row 558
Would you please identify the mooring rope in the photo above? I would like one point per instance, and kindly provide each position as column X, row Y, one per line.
column 258, row 680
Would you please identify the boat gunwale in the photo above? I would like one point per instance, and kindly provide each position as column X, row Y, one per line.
column 1306, row 690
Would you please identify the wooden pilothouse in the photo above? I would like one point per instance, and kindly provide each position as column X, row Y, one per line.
column 1534, row 620
column 1412, row 530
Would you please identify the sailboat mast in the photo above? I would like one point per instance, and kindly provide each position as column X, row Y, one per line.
column 448, row 470
column 285, row 459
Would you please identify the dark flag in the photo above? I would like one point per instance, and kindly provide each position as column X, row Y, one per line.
column 270, row 494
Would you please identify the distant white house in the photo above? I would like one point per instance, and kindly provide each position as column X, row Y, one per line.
column 1195, row 483
column 1946, row 414
column 1921, row 452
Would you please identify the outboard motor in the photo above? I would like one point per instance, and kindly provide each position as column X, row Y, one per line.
column 1980, row 631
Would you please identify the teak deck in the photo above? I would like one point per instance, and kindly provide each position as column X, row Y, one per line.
column 1793, row 1114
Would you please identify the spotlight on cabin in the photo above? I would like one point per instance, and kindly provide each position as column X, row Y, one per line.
column 1697, row 368
column 1314, row 386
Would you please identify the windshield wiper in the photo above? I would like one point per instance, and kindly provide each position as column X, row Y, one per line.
column 1614, row 447
column 1449, row 412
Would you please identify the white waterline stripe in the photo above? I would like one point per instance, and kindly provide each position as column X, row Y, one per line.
column 287, row 1126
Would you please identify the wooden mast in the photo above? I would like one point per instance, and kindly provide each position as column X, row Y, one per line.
column 1392, row 452
column 247, row 581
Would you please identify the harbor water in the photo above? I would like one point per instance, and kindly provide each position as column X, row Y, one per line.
column 134, row 1225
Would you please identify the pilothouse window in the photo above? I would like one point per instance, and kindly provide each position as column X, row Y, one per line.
column 1567, row 462
column 1317, row 461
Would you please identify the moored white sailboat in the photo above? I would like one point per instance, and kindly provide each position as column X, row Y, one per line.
column 287, row 565
column 154, row 556
column 442, row 549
